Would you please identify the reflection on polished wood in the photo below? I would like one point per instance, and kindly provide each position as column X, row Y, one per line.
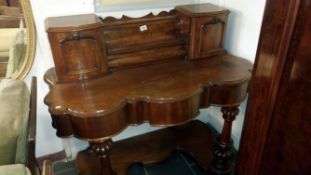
column 3, row 65
column 161, row 69
column 276, row 137
column 11, row 36
column 162, row 94
column 18, row 38
column 31, row 40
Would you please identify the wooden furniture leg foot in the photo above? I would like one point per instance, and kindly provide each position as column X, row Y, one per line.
column 223, row 148
column 101, row 149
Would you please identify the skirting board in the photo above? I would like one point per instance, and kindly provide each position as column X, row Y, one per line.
column 52, row 157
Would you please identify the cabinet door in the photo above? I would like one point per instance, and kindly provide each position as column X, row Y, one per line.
column 208, row 35
column 78, row 55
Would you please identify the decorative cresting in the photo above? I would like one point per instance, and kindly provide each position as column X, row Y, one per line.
column 31, row 40
column 127, row 19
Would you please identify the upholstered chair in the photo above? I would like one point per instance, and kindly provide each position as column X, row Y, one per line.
column 17, row 128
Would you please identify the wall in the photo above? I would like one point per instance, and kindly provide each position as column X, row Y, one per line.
column 245, row 43
column 47, row 142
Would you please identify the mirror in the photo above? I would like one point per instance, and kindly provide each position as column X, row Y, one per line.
column 17, row 36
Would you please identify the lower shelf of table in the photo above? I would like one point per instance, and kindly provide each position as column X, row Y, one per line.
column 156, row 150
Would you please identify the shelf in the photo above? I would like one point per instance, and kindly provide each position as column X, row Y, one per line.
column 195, row 139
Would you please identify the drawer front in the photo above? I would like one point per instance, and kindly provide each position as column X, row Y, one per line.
column 78, row 55
column 208, row 36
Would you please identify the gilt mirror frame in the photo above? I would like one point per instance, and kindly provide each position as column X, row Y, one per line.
column 31, row 43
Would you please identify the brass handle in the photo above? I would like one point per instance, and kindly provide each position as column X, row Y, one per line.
column 76, row 36
column 213, row 21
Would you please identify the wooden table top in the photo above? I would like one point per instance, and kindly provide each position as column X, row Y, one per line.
column 174, row 90
column 166, row 82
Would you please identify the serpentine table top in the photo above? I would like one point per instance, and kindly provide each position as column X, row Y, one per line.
column 168, row 93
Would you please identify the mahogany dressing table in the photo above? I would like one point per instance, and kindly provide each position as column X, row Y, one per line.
column 110, row 73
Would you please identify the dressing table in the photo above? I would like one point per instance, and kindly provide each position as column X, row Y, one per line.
column 111, row 73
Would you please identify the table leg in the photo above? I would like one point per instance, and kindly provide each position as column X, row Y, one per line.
column 101, row 149
column 223, row 148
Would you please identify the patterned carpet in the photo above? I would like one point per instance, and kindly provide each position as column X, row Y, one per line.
column 177, row 164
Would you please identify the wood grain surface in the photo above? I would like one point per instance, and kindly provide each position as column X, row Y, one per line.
column 163, row 94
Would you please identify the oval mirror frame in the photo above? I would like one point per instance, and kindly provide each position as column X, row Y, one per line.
column 31, row 43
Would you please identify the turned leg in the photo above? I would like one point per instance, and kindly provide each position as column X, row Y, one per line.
column 223, row 147
column 101, row 149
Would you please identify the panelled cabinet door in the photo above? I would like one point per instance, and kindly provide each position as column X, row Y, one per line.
column 207, row 30
column 81, row 53
column 208, row 35
column 78, row 47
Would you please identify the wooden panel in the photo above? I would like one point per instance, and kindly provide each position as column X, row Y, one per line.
column 212, row 29
column 14, row 3
column 9, row 17
column 75, row 52
column 139, row 34
column 10, row 11
column 276, row 136
column 72, row 23
column 134, row 41
column 78, row 47
column 289, row 137
column 201, row 10
column 208, row 36
column 78, row 55
column 147, row 56
column 9, row 23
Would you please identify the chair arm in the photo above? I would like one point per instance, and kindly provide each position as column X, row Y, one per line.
column 31, row 162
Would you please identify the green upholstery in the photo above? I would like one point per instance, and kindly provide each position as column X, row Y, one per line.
column 14, row 109
column 14, row 169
